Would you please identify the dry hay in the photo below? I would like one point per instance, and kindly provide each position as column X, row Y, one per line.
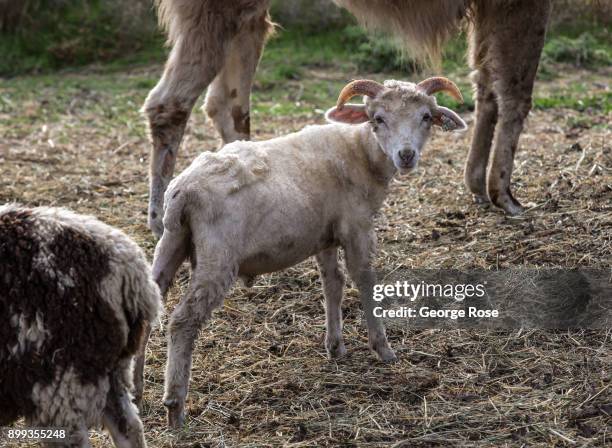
column 260, row 375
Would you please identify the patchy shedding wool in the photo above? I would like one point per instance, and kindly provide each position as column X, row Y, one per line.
column 77, row 295
column 219, row 175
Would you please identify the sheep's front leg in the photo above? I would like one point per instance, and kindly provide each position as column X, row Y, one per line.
column 358, row 253
column 205, row 294
column 120, row 415
column 333, row 282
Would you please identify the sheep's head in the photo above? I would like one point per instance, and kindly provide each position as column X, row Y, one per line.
column 401, row 114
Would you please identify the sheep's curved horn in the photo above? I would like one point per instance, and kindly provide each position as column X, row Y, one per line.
column 440, row 84
column 359, row 87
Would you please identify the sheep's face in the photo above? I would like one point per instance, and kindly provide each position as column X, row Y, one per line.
column 401, row 117
column 401, row 120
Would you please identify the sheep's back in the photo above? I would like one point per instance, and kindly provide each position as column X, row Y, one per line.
column 58, row 316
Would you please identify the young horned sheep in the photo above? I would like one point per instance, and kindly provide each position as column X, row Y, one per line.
column 76, row 296
column 258, row 207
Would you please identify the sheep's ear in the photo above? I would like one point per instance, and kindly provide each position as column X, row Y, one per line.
column 448, row 120
column 349, row 114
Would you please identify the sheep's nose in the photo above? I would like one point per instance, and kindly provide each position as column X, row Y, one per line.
column 407, row 155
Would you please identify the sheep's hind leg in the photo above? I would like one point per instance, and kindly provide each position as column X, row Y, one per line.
column 206, row 293
column 228, row 98
column 170, row 252
column 333, row 282
column 120, row 415
column 358, row 252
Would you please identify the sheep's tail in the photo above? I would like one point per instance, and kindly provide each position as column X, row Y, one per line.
column 175, row 212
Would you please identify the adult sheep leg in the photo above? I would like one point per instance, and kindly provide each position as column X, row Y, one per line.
column 478, row 157
column 513, row 69
column 486, row 118
column 206, row 293
column 120, row 415
column 358, row 261
column 333, row 283
column 228, row 97
column 194, row 61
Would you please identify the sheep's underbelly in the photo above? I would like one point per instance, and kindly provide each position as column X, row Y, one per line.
column 263, row 263
column 281, row 254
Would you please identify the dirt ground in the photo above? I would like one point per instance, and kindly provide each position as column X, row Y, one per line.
column 260, row 375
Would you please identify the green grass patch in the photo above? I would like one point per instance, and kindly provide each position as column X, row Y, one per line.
column 290, row 51
column 71, row 33
column 601, row 103
column 107, row 102
column 583, row 45
column 586, row 50
column 579, row 96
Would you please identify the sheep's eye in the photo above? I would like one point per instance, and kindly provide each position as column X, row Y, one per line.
column 427, row 118
column 379, row 120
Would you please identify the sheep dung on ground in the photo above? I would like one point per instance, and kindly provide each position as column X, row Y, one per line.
column 76, row 296
column 258, row 207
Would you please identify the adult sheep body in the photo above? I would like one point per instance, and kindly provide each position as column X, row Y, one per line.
column 76, row 296
column 218, row 45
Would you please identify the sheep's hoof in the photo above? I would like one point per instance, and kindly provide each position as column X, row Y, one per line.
column 336, row 350
column 481, row 200
column 510, row 205
column 176, row 416
column 514, row 209
column 505, row 201
column 386, row 355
